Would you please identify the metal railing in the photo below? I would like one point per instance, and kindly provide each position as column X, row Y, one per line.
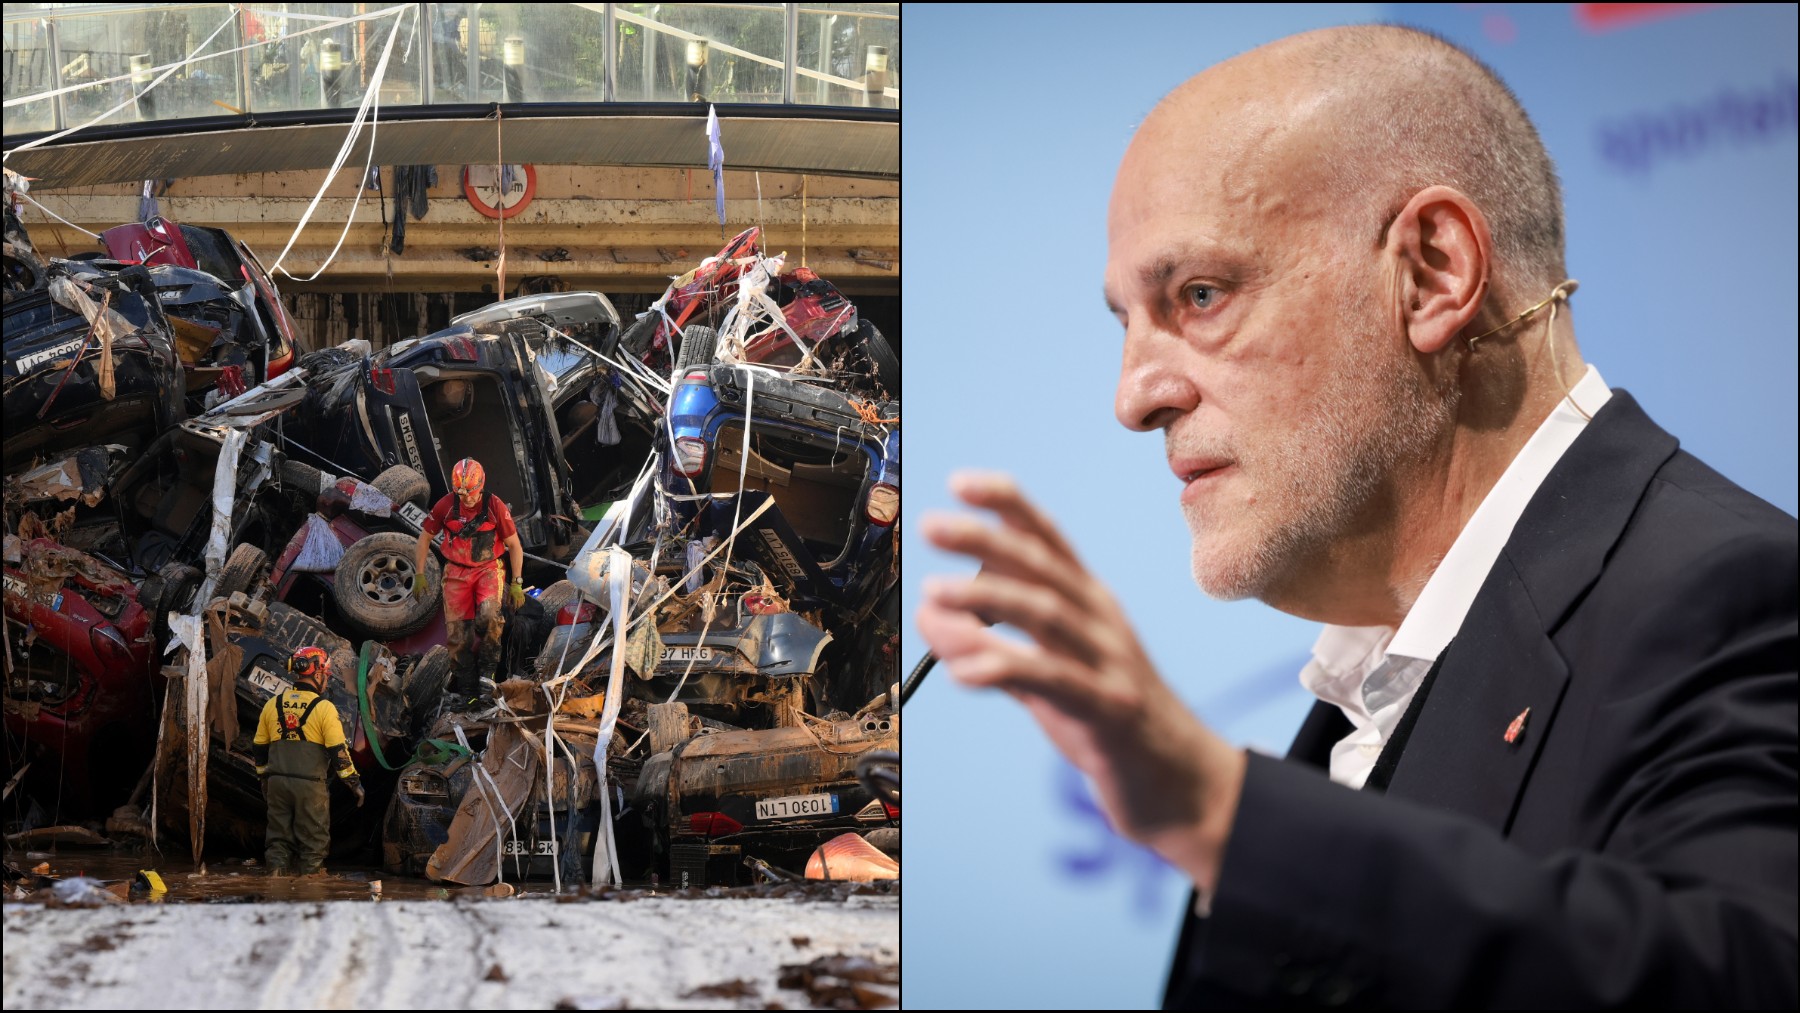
column 79, row 65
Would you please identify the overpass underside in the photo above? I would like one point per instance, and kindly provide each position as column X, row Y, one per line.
column 613, row 229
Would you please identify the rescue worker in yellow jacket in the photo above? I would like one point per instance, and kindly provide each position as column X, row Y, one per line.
column 299, row 745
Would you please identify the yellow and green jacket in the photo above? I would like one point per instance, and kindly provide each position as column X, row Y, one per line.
column 299, row 735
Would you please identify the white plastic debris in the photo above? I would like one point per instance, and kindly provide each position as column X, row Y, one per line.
column 82, row 891
column 321, row 550
column 372, row 501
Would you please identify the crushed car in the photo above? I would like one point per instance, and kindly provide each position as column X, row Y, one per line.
column 723, row 472
column 481, row 389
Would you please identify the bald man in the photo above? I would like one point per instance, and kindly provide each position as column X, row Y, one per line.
column 1553, row 761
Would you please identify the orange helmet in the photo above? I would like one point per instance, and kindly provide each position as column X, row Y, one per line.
column 468, row 478
column 311, row 664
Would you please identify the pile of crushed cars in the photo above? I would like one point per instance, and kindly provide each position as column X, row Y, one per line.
column 703, row 690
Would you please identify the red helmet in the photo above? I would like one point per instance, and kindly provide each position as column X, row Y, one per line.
column 311, row 664
column 468, row 477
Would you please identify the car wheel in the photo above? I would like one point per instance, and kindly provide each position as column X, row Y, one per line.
column 303, row 478
column 697, row 347
column 424, row 685
column 373, row 587
column 403, row 485
column 170, row 589
column 242, row 570
column 881, row 357
column 287, row 629
column 557, row 595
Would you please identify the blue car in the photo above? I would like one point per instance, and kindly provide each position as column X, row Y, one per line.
column 830, row 461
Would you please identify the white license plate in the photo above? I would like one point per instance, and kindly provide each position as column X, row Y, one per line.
column 518, row 847
column 264, row 679
column 789, row 806
column 687, row 654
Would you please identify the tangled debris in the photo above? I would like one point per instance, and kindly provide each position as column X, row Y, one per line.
column 708, row 498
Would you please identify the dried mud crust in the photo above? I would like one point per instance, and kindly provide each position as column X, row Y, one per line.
column 373, row 586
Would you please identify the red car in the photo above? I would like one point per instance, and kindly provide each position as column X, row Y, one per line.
column 81, row 682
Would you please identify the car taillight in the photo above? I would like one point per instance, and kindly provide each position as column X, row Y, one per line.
column 690, row 455
column 695, row 374
column 108, row 642
column 893, row 811
column 713, row 824
column 383, row 379
column 461, row 349
column 884, row 504
column 569, row 615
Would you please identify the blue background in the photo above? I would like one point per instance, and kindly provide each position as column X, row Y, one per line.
column 1675, row 137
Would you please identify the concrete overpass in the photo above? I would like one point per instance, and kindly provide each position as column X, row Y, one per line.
column 237, row 132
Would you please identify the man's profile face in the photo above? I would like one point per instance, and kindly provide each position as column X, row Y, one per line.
column 1254, row 339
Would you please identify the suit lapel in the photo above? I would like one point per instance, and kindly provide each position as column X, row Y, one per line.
column 1501, row 669
column 1458, row 757
column 1325, row 724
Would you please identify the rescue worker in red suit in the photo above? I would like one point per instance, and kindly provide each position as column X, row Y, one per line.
column 299, row 742
column 475, row 524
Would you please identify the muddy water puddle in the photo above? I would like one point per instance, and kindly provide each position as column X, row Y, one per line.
column 240, row 881
column 243, row 881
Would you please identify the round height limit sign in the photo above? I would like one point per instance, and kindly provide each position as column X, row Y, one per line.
column 499, row 191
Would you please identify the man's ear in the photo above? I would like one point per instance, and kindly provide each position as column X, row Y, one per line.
column 1443, row 251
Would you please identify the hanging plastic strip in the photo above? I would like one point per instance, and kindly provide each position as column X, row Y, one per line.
column 371, row 94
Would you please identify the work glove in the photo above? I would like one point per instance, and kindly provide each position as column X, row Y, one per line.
column 517, row 594
column 354, row 783
column 418, row 586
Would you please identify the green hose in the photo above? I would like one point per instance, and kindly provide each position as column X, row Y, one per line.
column 362, row 698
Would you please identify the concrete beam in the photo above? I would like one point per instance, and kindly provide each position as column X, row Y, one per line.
column 614, row 229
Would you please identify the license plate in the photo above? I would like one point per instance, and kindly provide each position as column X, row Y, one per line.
column 518, row 847
column 687, row 654
column 268, row 681
column 789, row 806
column 413, row 514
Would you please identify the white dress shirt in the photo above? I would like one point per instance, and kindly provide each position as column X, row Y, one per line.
column 1371, row 672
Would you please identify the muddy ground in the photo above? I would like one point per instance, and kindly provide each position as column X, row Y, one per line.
column 634, row 950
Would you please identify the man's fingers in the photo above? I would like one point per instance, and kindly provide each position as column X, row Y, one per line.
column 979, row 658
column 1006, row 552
column 996, row 491
column 1046, row 616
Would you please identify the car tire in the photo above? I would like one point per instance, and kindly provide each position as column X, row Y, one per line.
column 302, row 478
column 697, row 347
column 246, row 565
column 170, row 589
column 287, row 629
column 557, row 595
column 373, row 587
column 326, row 361
column 403, row 485
column 881, row 357
column 424, row 685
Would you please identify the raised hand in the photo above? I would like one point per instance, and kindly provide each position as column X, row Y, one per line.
column 1163, row 778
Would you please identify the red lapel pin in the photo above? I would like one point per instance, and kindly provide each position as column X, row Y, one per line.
column 1517, row 729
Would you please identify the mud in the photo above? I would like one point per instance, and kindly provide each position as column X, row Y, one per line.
column 661, row 952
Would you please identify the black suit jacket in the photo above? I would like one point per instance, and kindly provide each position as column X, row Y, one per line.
column 1636, row 844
